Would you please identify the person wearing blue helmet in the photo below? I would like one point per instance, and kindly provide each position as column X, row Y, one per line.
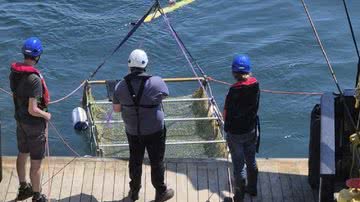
column 240, row 114
column 31, row 98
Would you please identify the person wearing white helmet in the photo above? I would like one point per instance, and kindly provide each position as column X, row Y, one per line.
column 139, row 98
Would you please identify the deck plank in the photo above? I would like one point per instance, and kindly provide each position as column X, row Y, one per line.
column 149, row 189
column 109, row 181
column 223, row 182
column 258, row 198
column 67, row 183
column 4, row 185
column 143, row 183
column 214, row 195
column 97, row 188
column 171, row 178
column 295, row 181
column 88, row 181
column 272, row 169
column 264, row 179
column 203, row 183
column 127, row 186
column 12, row 188
column 46, row 180
column 307, row 191
column 181, row 182
column 285, row 182
column 192, row 183
column 77, row 181
column 57, row 181
column 119, row 185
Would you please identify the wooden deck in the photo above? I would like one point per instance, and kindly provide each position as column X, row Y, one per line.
column 92, row 180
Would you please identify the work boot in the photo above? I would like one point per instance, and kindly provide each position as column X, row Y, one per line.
column 238, row 197
column 251, row 192
column 166, row 195
column 228, row 199
column 39, row 198
column 134, row 195
column 25, row 191
column 239, row 192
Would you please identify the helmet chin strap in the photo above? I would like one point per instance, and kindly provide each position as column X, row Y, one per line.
column 37, row 59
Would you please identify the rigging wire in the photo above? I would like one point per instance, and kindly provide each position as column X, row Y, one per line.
column 351, row 29
column 191, row 60
column 357, row 53
column 331, row 69
column 77, row 155
column 132, row 31
column 92, row 75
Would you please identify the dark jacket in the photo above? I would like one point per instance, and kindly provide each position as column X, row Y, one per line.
column 241, row 106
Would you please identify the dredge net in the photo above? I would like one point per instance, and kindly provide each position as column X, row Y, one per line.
column 188, row 118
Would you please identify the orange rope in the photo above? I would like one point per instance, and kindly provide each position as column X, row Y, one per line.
column 271, row 91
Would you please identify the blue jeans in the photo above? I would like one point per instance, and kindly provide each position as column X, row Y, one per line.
column 243, row 148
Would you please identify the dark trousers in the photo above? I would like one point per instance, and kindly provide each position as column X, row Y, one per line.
column 155, row 146
column 243, row 149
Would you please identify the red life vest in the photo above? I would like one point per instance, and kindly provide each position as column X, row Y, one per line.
column 247, row 82
column 23, row 68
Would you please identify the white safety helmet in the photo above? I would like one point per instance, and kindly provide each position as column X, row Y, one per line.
column 138, row 58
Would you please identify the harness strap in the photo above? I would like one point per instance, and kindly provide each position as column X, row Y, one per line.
column 137, row 97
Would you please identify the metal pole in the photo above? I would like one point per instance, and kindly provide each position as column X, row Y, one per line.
column 165, row 79
column 170, row 143
column 173, row 119
column 166, row 100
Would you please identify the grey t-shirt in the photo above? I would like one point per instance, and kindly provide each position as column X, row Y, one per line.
column 151, row 119
column 25, row 86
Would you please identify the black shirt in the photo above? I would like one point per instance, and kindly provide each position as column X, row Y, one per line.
column 25, row 86
column 241, row 106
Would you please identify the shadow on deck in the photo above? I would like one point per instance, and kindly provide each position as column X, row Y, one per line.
column 194, row 180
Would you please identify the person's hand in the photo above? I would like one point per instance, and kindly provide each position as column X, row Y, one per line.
column 48, row 116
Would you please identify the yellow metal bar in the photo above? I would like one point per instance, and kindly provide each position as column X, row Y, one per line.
column 168, row 9
column 185, row 79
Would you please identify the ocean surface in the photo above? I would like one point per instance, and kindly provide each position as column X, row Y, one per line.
column 78, row 35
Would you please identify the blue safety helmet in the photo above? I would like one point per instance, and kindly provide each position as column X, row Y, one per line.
column 241, row 64
column 32, row 47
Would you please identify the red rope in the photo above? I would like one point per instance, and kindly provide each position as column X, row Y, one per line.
column 271, row 91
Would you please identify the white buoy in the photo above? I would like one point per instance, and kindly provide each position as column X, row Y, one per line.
column 79, row 118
